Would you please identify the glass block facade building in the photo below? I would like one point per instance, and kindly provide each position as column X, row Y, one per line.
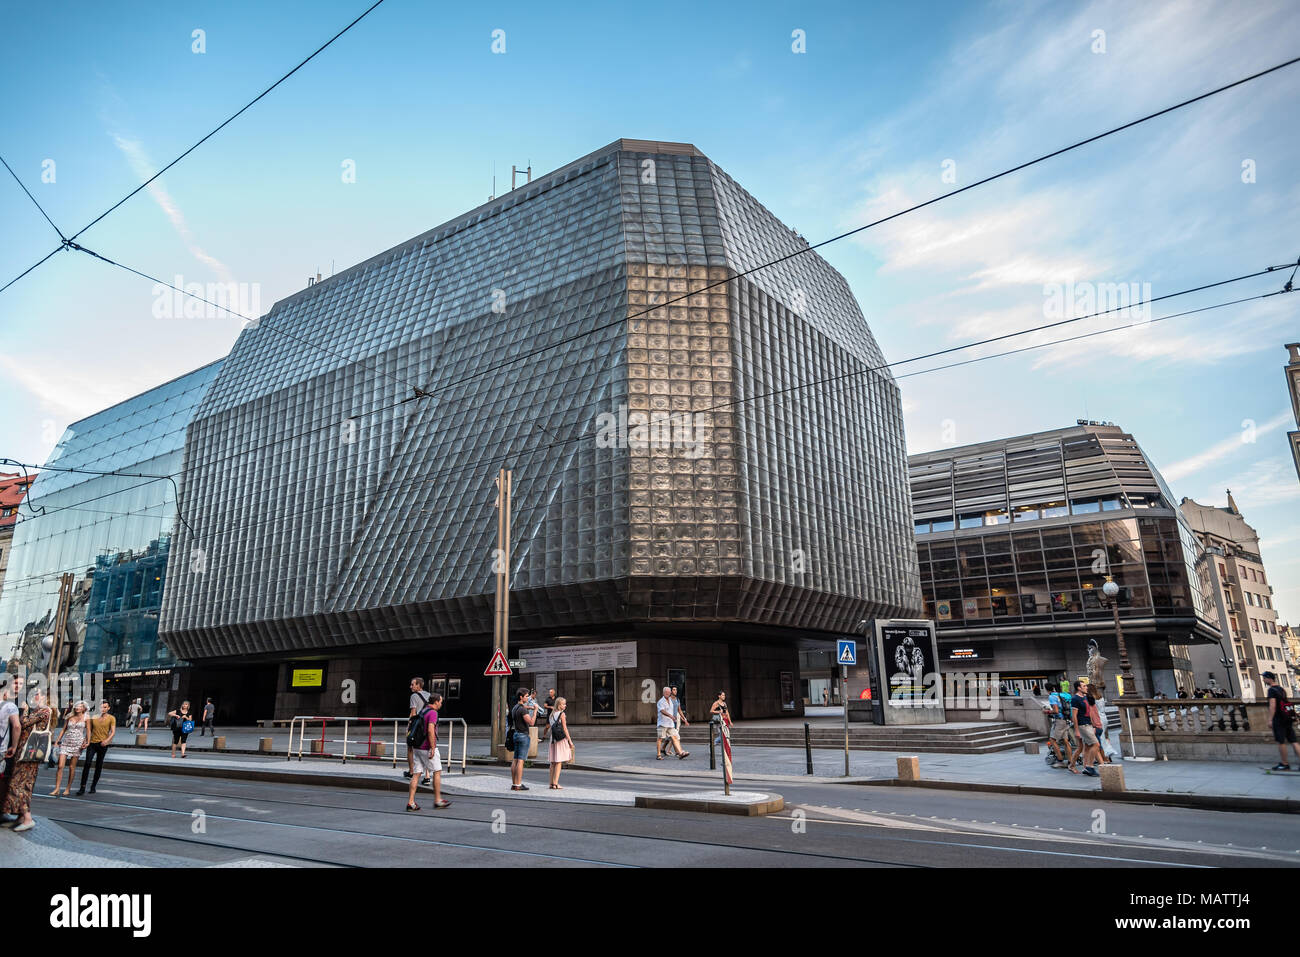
column 581, row 331
column 1015, row 539
column 114, row 534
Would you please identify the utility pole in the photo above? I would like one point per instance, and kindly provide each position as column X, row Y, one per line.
column 501, row 620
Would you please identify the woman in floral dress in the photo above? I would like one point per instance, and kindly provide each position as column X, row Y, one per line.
column 19, row 799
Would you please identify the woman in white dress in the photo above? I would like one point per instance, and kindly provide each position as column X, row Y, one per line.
column 561, row 743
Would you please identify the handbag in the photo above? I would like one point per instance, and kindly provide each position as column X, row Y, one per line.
column 187, row 726
column 37, row 746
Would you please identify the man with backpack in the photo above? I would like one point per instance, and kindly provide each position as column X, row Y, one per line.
column 1281, row 714
column 1082, row 705
column 419, row 698
column 1060, row 744
column 422, row 745
column 522, row 717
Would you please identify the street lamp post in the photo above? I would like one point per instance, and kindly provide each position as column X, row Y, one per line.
column 1111, row 591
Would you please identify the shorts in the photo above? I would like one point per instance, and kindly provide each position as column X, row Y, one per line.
column 179, row 736
column 523, row 743
column 1283, row 730
column 425, row 762
column 666, row 731
column 1088, row 734
column 1061, row 730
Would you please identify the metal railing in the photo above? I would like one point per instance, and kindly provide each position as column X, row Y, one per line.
column 361, row 744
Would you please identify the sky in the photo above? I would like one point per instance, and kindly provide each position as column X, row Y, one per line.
column 887, row 105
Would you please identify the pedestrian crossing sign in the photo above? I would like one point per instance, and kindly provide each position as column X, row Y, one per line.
column 846, row 651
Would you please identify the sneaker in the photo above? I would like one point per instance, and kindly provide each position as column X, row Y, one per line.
column 24, row 827
column 1280, row 767
column 1091, row 772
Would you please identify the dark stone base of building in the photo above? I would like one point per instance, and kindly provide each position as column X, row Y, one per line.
column 761, row 678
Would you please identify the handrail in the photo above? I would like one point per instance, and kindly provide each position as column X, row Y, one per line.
column 299, row 723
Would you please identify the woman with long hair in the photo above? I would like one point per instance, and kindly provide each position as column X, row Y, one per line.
column 561, row 743
column 72, row 741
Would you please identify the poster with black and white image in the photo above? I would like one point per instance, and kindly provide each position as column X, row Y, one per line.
column 907, row 656
column 602, row 694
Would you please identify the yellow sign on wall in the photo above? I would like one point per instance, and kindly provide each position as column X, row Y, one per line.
column 308, row 677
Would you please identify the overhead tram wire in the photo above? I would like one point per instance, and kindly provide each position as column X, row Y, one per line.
column 1097, row 332
column 24, row 188
column 228, row 120
column 837, row 379
column 885, row 219
column 416, row 391
column 476, row 466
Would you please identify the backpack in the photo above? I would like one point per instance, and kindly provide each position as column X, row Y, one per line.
column 510, row 729
column 1285, row 707
column 417, row 729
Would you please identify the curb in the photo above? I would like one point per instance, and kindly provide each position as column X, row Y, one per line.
column 773, row 803
column 1205, row 802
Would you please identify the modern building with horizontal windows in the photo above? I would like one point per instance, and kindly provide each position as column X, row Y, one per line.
column 605, row 332
column 1016, row 537
column 113, row 533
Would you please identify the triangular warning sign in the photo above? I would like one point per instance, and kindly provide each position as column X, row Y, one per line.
column 846, row 655
column 498, row 667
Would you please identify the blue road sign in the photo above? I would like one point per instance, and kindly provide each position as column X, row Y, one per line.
column 846, row 651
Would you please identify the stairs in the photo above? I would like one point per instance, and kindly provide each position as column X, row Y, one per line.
column 982, row 738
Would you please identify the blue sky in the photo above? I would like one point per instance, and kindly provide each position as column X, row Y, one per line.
column 858, row 126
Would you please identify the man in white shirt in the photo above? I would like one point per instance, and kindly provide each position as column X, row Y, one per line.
column 666, row 726
column 10, row 731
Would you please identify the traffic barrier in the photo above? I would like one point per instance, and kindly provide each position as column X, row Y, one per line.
column 370, row 746
column 1031, row 747
column 141, row 740
column 1112, row 777
column 265, row 744
column 219, row 743
column 909, row 769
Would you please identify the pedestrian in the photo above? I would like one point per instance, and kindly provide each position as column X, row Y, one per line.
column 182, row 723
column 72, row 740
column 719, row 711
column 11, row 729
column 826, row 697
column 422, row 744
column 1060, row 744
column 419, row 698
column 209, row 714
column 561, row 743
column 1281, row 715
column 133, row 714
column 665, row 722
column 144, row 715
column 679, row 719
column 1082, row 706
column 36, row 723
column 102, row 730
column 522, row 717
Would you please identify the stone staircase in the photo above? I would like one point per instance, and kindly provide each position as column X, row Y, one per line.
column 985, row 737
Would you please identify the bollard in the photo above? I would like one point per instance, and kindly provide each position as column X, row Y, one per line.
column 713, row 747
column 1031, row 747
column 141, row 740
column 377, row 749
column 219, row 743
column 264, row 744
column 909, row 769
column 1112, row 777
column 807, row 745
column 317, row 746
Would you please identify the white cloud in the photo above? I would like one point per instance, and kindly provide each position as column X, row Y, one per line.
column 1245, row 440
column 144, row 168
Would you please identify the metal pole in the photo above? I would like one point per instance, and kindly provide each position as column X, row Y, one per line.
column 501, row 618
column 844, row 701
column 1125, row 669
column 715, row 728
column 807, row 745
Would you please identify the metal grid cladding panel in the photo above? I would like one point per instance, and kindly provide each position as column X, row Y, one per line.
column 323, row 518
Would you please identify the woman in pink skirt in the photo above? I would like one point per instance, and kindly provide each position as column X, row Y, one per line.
column 561, row 743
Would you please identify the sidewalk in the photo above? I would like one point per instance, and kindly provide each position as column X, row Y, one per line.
column 1224, row 784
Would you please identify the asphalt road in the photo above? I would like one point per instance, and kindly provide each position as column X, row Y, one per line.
column 822, row 826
